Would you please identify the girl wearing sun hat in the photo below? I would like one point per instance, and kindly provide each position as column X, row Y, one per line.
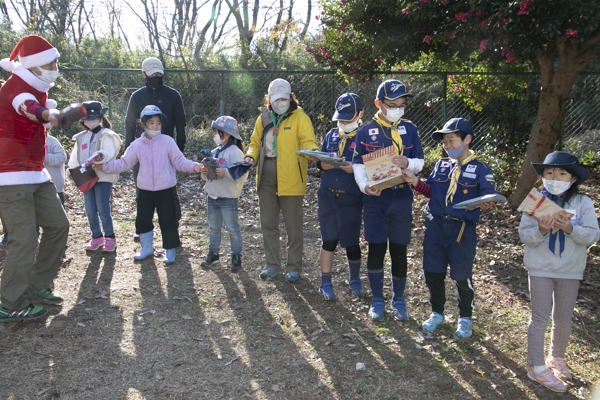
column 555, row 257
column 97, row 138
column 223, row 193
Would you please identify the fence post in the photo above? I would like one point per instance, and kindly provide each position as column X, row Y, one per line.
column 445, row 99
column 222, row 93
column 333, row 98
column 109, row 81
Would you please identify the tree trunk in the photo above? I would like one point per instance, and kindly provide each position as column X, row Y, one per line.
column 557, row 82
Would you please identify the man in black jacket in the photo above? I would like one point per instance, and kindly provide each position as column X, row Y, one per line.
column 164, row 97
column 157, row 94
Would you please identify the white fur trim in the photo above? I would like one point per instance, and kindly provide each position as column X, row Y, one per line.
column 7, row 65
column 41, row 58
column 31, row 79
column 20, row 99
column 50, row 103
column 24, row 177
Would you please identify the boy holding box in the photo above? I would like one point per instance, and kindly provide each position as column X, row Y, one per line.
column 388, row 212
column 450, row 236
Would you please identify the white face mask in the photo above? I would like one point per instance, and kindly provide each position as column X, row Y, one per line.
column 217, row 139
column 48, row 76
column 280, row 107
column 556, row 187
column 151, row 133
column 91, row 124
column 394, row 115
column 351, row 127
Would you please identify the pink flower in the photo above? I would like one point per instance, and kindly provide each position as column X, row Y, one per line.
column 405, row 11
column 523, row 12
column 510, row 57
column 445, row 2
column 482, row 44
column 428, row 104
column 425, row 1
column 427, row 39
column 571, row 33
column 448, row 35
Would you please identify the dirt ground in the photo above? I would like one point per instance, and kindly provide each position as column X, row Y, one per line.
column 143, row 330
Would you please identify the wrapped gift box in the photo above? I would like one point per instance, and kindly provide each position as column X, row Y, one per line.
column 381, row 171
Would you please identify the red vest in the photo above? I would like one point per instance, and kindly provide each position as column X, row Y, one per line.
column 22, row 141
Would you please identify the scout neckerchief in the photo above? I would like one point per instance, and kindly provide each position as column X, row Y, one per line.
column 455, row 174
column 222, row 148
column 559, row 200
column 343, row 137
column 394, row 129
column 276, row 121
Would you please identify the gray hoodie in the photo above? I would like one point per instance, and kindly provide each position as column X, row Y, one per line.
column 538, row 258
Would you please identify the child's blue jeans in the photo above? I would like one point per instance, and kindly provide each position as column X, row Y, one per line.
column 224, row 210
column 97, row 204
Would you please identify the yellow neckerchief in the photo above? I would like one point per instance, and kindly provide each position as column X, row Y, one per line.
column 455, row 174
column 343, row 137
column 394, row 129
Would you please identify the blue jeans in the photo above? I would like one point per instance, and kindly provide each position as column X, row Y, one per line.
column 97, row 204
column 224, row 210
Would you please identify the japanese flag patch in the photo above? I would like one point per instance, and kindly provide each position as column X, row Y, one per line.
column 374, row 131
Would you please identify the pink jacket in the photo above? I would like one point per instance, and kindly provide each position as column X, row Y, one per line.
column 158, row 158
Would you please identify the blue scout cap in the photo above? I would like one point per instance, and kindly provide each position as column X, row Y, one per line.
column 391, row 90
column 347, row 107
column 228, row 125
column 452, row 126
column 564, row 160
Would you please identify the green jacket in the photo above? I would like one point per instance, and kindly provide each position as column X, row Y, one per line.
column 295, row 133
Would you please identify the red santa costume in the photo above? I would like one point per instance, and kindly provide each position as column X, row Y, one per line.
column 27, row 197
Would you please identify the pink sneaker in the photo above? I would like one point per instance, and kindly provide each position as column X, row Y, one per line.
column 110, row 244
column 558, row 366
column 547, row 379
column 95, row 243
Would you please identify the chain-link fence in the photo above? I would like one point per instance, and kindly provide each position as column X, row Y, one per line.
column 502, row 120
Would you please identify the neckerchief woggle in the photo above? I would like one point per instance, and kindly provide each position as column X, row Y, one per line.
column 343, row 137
column 394, row 129
column 455, row 174
column 560, row 200
column 276, row 122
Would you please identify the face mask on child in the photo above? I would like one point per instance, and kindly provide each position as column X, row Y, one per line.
column 456, row 153
column 351, row 127
column 91, row 124
column 217, row 139
column 394, row 115
column 556, row 187
column 151, row 133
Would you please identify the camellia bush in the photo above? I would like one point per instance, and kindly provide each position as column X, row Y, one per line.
column 555, row 38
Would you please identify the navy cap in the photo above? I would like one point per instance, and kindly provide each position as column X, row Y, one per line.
column 452, row 126
column 94, row 110
column 391, row 90
column 347, row 107
column 564, row 160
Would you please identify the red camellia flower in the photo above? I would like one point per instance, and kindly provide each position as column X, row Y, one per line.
column 405, row 11
column 571, row 33
column 427, row 39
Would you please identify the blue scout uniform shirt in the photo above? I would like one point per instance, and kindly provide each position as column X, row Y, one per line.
column 337, row 178
column 371, row 137
column 476, row 179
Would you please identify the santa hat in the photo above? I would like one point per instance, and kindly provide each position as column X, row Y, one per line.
column 33, row 51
